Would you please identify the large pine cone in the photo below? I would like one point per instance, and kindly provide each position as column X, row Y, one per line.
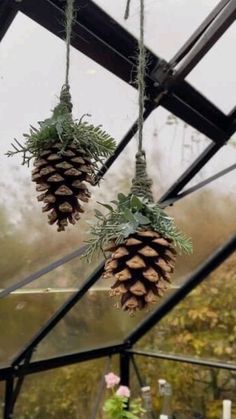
column 142, row 266
column 60, row 177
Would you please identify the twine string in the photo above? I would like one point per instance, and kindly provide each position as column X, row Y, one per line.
column 65, row 104
column 141, row 76
column 141, row 183
column 127, row 9
column 69, row 13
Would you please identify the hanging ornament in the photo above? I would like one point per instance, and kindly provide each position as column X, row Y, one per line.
column 66, row 153
column 137, row 237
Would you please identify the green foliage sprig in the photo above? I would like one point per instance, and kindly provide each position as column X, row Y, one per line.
column 61, row 127
column 125, row 217
column 116, row 408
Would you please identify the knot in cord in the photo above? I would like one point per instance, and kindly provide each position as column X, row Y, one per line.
column 65, row 97
column 65, row 104
column 141, row 183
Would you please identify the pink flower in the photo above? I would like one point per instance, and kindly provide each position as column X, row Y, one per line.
column 123, row 391
column 111, row 380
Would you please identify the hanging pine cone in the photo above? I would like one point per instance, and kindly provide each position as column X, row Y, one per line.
column 65, row 153
column 60, row 177
column 142, row 266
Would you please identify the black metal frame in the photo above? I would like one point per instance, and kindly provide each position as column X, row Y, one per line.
column 102, row 39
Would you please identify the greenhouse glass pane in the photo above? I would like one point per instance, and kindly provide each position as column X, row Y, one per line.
column 71, row 392
column 67, row 278
column 161, row 35
column 223, row 159
column 208, row 217
column 22, row 315
column 203, row 324
column 32, row 72
column 197, row 392
column 26, row 309
column 93, row 322
column 214, row 76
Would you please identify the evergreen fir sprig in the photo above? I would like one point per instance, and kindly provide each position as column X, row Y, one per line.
column 61, row 127
column 127, row 215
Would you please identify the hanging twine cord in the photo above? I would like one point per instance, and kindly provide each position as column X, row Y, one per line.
column 126, row 16
column 141, row 184
column 65, row 104
column 69, row 13
column 141, row 76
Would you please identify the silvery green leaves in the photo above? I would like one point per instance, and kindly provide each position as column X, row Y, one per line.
column 128, row 214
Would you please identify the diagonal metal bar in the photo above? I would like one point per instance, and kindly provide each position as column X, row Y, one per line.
column 101, row 389
column 59, row 314
column 185, row 359
column 200, row 185
column 198, row 33
column 190, row 112
column 232, row 117
column 137, row 372
column 7, row 15
column 192, row 170
column 208, row 39
column 20, row 380
column 190, row 283
column 8, row 398
column 43, row 271
column 140, row 379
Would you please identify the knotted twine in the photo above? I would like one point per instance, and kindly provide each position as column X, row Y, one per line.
column 65, row 104
column 141, row 183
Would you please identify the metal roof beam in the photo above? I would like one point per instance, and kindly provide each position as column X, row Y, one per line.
column 184, row 50
column 217, row 28
column 7, row 15
column 184, row 359
column 59, row 361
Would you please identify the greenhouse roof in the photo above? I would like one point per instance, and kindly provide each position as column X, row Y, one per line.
column 172, row 82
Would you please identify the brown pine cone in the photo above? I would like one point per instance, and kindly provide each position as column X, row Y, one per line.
column 142, row 266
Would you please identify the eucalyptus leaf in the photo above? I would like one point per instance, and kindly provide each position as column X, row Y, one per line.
column 135, row 202
column 141, row 219
column 128, row 215
column 128, row 228
column 121, row 197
